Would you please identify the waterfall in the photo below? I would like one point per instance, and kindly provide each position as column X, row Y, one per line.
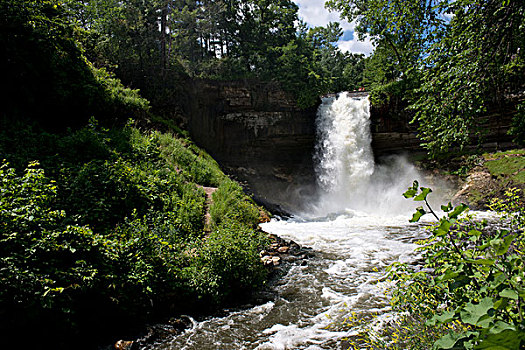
column 357, row 226
column 343, row 155
column 346, row 174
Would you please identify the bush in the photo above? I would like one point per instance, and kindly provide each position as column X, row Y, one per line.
column 191, row 161
column 45, row 264
column 469, row 293
column 228, row 264
column 132, row 242
column 230, row 204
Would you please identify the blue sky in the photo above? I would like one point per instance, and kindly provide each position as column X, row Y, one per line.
column 314, row 14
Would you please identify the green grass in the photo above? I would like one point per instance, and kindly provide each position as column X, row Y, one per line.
column 510, row 164
column 110, row 223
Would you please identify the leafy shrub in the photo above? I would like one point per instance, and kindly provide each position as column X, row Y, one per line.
column 191, row 161
column 132, row 241
column 230, row 204
column 102, row 193
column 118, row 99
column 45, row 264
column 228, row 263
column 469, row 293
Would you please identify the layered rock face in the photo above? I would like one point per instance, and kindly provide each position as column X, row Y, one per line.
column 258, row 135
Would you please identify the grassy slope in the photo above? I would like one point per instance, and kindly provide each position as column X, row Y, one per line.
column 483, row 176
column 109, row 226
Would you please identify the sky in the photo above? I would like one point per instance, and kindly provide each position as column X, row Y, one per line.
column 314, row 14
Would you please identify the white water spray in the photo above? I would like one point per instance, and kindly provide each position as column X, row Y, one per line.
column 346, row 174
column 343, row 152
column 357, row 227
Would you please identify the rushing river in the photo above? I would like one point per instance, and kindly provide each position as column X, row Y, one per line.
column 356, row 228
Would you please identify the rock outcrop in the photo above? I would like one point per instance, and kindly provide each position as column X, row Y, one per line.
column 258, row 135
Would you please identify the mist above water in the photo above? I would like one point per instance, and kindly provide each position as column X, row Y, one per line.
column 347, row 176
column 356, row 227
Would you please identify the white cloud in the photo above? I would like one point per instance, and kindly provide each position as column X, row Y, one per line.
column 365, row 47
column 315, row 14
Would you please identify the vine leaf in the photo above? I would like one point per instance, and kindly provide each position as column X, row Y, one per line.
column 449, row 341
column 509, row 293
column 457, row 211
column 507, row 339
column 418, row 214
column 412, row 191
column 423, row 195
column 478, row 315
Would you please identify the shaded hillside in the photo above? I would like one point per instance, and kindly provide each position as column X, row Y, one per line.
column 108, row 225
column 102, row 222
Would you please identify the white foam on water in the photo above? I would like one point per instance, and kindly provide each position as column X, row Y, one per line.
column 356, row 228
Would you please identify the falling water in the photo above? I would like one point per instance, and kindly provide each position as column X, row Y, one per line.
column 356, row 228
column 346, row 173
column 343, row 153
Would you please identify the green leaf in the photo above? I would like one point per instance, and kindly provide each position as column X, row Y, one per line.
column 448, row 341
column 457, row 211
column 509, row 293
column 423, row 195
column 447, row 208
column 411, row 192
column 442, row 318
column 474, row 233
column 505, row 340
column 474, row 314
column 500, row 304
column 418, row 214
column 443, row 228
column 501, row 326
column 504, row 246
column 488, row 262
column 448, row 275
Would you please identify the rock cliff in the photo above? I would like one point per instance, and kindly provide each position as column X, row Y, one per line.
column 258, row 135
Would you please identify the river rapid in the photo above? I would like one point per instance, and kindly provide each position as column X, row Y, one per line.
column 356, row 227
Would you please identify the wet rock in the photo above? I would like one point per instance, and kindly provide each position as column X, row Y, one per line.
column 283, row 249
column 155, row 334
column 263, row 217
column 274, row 246
column 267, row 260
column 124, row 345
column 181, row 323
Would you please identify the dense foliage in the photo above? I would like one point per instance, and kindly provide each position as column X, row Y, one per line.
column 46, row 77
column 154, row 44
column 110, row 224
column 469, row 292
column 451, row 61
column 103, row 226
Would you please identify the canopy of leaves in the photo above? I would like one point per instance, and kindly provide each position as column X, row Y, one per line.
column 153, row 44
column 458, row 59
column 45, row 75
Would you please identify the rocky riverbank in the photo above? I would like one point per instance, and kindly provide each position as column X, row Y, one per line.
column 277, row 258
column 479, row 178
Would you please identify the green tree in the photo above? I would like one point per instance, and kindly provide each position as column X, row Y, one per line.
column 406, row 27
column 455, row 59
column 477, row 63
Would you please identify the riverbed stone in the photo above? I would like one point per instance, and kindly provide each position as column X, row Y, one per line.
column 283, row 249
